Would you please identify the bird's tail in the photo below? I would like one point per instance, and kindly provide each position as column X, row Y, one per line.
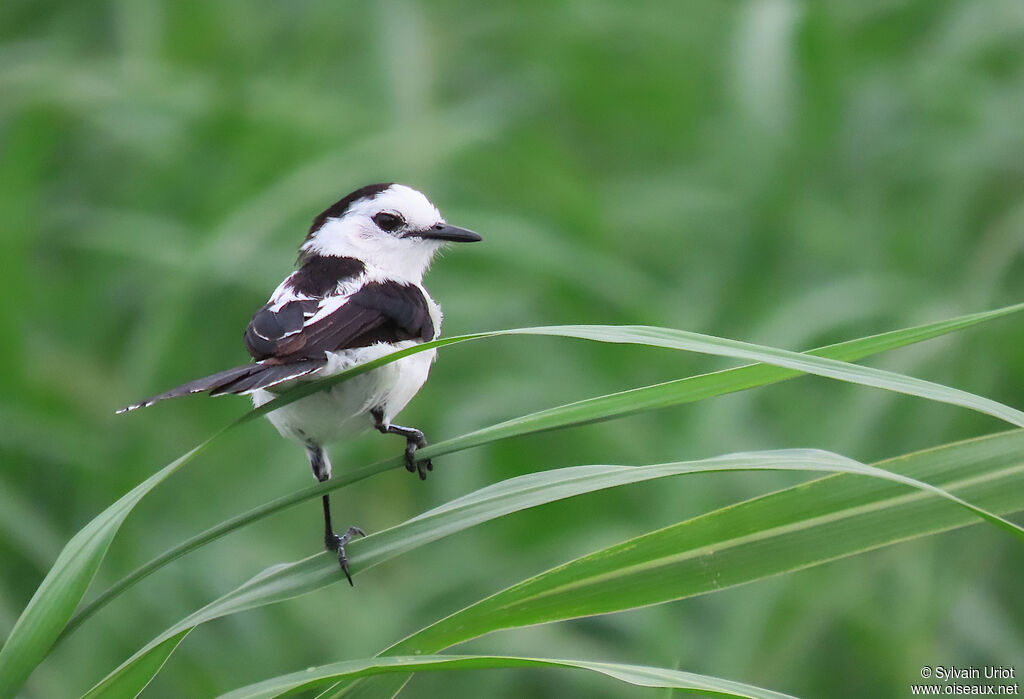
column 240, row 380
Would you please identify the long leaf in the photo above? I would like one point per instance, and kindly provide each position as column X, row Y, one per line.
column 136, row 678
column 701, row 344
column 66, row 583
column 789, row 530
column 595, row 409
column 290, row 580
column 639, row 675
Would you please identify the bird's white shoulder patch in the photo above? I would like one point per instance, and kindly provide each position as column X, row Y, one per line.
column 284, row 293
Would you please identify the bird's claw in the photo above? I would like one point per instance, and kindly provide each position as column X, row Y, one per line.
column 414, row 465
column 337, row 543
column 414, row 440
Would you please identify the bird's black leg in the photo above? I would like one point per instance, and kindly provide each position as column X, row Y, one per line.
column 414, row 439
column 333, row 542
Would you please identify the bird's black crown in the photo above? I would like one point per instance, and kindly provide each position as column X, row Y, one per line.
column 338, row 208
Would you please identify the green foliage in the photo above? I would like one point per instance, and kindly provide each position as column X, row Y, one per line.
column 65, row 585
column 611, row 586
column 595, row 409
column 782, row 172
column 785, row 531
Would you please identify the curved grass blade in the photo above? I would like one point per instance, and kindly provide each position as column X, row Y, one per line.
column 595, row 409
column 789, row 530
column 290, row 580
column 132, row 682
column 639, row 675
column 702, row 344
column 63, row 587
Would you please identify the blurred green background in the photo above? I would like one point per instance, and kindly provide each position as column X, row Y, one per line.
column 783, row 172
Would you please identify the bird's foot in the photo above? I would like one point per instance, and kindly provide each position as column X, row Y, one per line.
column 412, row 464
column 414, row 440
column 333, row 542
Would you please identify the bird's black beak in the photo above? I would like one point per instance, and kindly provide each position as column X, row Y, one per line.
column 443, row 231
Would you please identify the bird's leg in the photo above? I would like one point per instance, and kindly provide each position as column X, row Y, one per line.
column 332, row 542
column 414, row 439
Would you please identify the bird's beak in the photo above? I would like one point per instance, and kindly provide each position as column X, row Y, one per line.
column 443, row 231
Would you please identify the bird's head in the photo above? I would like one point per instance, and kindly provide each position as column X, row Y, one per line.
column 388, row 226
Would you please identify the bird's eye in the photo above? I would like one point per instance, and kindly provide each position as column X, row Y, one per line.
column 388, row 222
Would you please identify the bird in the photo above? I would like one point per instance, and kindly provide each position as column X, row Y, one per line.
column 356, row 294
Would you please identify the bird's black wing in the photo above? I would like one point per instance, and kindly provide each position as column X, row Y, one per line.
column 385, row 311
column 270, row 329
column 293, row 340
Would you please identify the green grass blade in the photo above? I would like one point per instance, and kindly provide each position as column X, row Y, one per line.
column 133, row 681
column 595, row 409
column 702, row 344
column 703, row 386
column 806, row 525
column 639, row 675
column 63, row 587
column 290, row 580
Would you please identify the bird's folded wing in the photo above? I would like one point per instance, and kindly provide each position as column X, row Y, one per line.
column 385, row 311
column 293, row 340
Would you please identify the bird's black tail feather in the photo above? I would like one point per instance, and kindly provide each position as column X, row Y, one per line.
column 243, row 379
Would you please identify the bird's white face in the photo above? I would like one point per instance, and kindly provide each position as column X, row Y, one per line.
column 398, row 231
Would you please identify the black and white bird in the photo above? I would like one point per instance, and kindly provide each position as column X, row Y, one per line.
column 357, row 295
